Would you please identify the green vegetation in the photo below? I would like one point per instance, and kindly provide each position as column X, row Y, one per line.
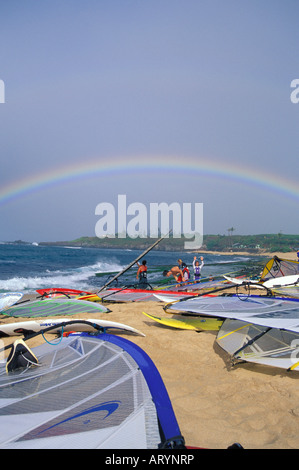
column 252, row 243
column 221, row 243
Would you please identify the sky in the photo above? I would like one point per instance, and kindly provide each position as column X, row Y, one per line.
column 185, row 101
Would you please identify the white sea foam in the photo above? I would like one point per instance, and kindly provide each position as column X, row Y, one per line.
column 69, row 278
column 233, row 260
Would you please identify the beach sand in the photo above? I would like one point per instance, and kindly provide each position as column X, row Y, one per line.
column 215, row 404
column 291, row 255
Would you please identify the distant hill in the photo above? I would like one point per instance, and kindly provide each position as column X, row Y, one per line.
column 221, row 243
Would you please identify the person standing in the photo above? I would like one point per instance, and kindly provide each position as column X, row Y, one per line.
column 142, row 274
column 197, row 268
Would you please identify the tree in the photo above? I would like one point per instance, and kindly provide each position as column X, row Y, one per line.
column 230, row 232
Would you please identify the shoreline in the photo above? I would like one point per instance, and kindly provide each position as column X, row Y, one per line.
column 290, row 255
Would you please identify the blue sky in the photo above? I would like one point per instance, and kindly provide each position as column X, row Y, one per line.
column 102, row 80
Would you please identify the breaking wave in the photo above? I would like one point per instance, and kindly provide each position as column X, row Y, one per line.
column 80, row 278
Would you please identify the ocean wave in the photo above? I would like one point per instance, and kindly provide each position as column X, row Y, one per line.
column 69, row 278
column 73, row 247
column 233, row 260
column 30, row 284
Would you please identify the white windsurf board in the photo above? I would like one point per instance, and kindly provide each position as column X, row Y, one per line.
column 34, row 326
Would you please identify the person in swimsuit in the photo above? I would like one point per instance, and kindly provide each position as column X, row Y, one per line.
column 197, row 268
column 176, row 272
column 142, row 274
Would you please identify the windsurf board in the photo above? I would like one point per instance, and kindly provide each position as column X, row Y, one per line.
column 57, row 290
column 282, row 281
column 70, row 293
column 63, row 295
column 198, row 323
column 168, row 298
column 241, row 281
column 270, row 283
column 26, row 328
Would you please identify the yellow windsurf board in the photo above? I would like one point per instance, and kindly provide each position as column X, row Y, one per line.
column 198, row 323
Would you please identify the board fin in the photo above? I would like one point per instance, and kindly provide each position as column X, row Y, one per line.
column 20, row 356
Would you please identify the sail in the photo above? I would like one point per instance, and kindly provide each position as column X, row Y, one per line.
column 259, row 344
column 87, row 392
column 264, row 311
column 277, row 267
column 51, row 307
column 288, row 291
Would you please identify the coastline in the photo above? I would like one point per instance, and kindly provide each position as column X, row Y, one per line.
column 290, row 255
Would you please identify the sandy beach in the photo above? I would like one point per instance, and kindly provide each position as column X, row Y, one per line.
column 215, row 404
column 291, row 255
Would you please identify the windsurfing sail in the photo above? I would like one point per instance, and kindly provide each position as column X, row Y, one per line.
column 276, row 271
column 259, row 344
column 99, row 392
column 137, row 295
column 52, row 307
column 271, row 312
column 277, row 267
column 288, row 291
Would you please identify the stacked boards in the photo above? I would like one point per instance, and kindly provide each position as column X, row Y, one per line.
column 264, row 311
column 256, row 329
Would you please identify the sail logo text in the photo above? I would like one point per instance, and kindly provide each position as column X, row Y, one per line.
column 144, row 222
column 2, row 92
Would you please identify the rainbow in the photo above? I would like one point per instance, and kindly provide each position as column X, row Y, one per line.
column 129, row 165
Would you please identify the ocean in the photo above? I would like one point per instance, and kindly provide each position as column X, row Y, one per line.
column 25, row 268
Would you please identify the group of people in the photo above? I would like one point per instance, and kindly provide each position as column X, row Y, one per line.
column 180, row 273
